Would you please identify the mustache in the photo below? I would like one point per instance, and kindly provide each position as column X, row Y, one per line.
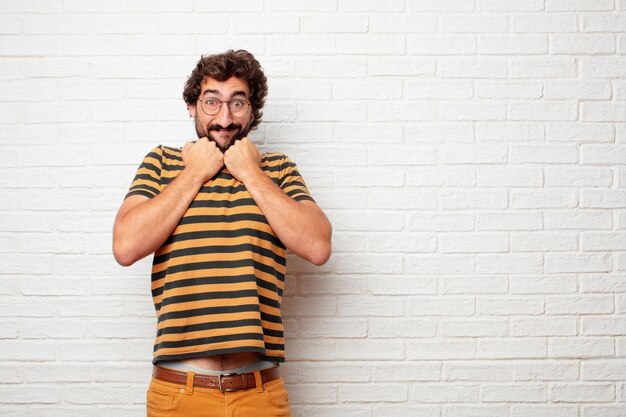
column 232, row 126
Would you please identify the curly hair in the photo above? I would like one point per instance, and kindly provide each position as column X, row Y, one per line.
column 241, row 64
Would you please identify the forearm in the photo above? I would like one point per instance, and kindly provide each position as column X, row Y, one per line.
column 303, row 228
column 141, row 230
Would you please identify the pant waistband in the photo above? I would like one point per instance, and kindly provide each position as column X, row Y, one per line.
column 223, row 382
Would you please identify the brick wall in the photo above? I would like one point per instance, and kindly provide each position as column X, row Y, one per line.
column 469, row 153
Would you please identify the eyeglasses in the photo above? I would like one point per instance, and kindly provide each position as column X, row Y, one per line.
column 212, row 105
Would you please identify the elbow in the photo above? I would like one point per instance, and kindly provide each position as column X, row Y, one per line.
column 122, row 254
column 323, row 250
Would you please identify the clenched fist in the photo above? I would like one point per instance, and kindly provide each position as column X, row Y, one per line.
column 202, row 159
column 243, row 160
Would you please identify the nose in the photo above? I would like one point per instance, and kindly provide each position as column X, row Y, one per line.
column 223, row 116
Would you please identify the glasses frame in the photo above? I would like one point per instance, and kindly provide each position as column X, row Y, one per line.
column 228, row 106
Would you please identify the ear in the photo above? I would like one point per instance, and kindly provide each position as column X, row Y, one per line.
column 192, row 110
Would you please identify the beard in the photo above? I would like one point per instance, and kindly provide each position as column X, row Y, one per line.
column 240, row 133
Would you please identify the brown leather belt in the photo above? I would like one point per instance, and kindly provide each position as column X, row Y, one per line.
column 224, row 382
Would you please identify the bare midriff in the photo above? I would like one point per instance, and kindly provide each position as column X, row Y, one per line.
column 223, row 362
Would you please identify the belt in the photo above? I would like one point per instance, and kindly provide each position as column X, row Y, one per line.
column 224, row 382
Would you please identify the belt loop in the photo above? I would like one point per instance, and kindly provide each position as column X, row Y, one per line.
column 258, row 381
column 190, row 378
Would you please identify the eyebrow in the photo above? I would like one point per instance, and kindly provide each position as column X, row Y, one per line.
column 217, row 93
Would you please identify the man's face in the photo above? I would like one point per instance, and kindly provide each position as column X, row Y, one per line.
column 223, row 128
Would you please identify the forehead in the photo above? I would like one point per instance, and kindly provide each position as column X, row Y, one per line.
column 225, row 88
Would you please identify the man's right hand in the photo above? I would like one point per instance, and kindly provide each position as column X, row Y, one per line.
column 202, row 159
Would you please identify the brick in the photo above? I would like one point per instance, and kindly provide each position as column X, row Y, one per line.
column 509, row 90
column 369, row 349
column 578, row 177
column 603, row 326
column 370, row 44
column 543, row 68
column 407, row 372
column 333, row 328
column 543, row 22
column 544, row 241
column 577, row 392
column 441, row 44
column 372, row 393
column 402, row 22
column 573, row 131
column 512, row 348
column 474, row 328
column 544, row 326
column 508, row 306
column 334, row 23
column 441, row 349
column 396, row 328
column 473, row 200
column 447, row 393
column 603, row 370
column 516, row 392
column 579, row 5
column 473, row 242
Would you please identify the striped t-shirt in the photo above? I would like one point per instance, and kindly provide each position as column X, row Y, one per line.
column 217, row 281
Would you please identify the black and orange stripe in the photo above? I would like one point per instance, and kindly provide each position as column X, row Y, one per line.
column 218, row 280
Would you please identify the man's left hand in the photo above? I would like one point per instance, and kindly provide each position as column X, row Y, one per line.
column 243, row 160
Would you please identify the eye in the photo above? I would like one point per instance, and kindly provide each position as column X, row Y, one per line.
column 238, row 103
column 211, row 102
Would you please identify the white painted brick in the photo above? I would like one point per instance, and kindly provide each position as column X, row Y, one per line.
column 579, row 132
column 543, row 241
column 396, row 199
column 372, row 221
column 474, row 284
column 578, row 176
column 402, row 22
column 470, row 153
column 36, row 45
column 393, row 410
column 231, row 6
column 300, row 5
column 52, row 329
column 544, row 326
column 603, row 198
column 428, row 221
column 394, row 328
column 472, row 200
column 439, row 264
column 517, row 392
column 509, row 348
column 543, row 111
column 437, row 177
column 603, row 370
column 333, row 328
column 441, row 6
column 582, row 347
column 509, row 221
column 309, row 45
column 602, row 67
column 556, row 263
column 332, row 112
column 9, row 329
column 475, row 24
column 582, row 44
column 546, row 198
column 602, row 241
column 336, row 67
column 329, row 371
column 480, row 371
column 378, row 44
column 562, row 90
column 474, row 328
column 441, row 349
column 31, row 394
column 473, row 243
column 334, row 23
column 441, row 44
column 579, row 5
column 602, row 283
column 576, row 392
column 90, row 351
column 382, row 111
column 318, row 306
column 543, row 68
column 526, row 44
column 400, row 66
column 407, row 371
column 394, row 242
column 369, row 349
column 402, row 286
column 509, row 263
column 440, row 306
column 603, row 411
column 602, row 326
column 508, row 306
column 603, row 112
column 546, row 370
column 360, row 307
column 603, row 22
column 476, row 411
column 326, row 410
column 126, row 330
column 579, row 219
column 543, row 23
column 436, row 393
column 335, row 285
column 513, row 90
column 32, row 351
column 373, row 393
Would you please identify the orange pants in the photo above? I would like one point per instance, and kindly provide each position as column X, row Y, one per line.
column 165, row 399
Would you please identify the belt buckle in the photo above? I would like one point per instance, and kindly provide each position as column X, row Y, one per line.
column 219, row 382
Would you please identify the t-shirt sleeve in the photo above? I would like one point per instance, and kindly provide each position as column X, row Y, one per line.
column 147, row 180
column 292, row 183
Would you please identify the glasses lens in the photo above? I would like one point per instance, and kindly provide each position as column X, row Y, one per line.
column 237, row 107
column 211, row 105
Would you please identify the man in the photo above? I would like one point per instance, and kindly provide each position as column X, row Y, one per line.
column 219, row 217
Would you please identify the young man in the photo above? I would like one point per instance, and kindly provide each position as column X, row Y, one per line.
column 219, row 217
